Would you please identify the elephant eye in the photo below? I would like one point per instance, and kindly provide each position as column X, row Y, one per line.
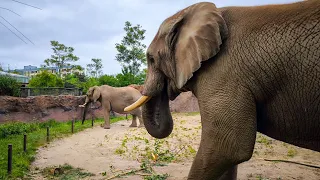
column 151, row 59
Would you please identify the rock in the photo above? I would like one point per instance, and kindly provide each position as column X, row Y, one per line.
column 66, row 107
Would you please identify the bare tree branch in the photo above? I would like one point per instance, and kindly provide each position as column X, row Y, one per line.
column 26, row 4
column 13, row 32
column 17, row 29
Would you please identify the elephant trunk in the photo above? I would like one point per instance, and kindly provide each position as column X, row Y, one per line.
column 155, row 106
column 157, row 117
column 85, row 109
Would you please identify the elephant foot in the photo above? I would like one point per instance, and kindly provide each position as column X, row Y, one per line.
column 133, row 125
column 105, row 126
column 141, row 125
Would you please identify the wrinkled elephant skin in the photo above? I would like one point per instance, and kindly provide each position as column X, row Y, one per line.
column 251, row 68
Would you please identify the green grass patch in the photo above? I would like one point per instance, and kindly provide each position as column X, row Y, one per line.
column 12, row 133
column 192, row 113
column 65, row 172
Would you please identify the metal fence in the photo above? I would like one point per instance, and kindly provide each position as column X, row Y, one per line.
column 54, row 91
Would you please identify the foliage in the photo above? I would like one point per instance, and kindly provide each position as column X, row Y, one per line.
column 127, row 78
column 121, row 80
column 65, row 171
column 110, row 80
column 136, row 144
column 131, row 52
column 75, row 80
column 94, row 69
column 17, row 128
column 9, row 86
column 91, row 81
column 45, row 79
column 62, row 56
column 291, row 152
column 36, row 137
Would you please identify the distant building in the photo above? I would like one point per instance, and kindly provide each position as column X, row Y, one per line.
column 31, row 71
column 20, row 78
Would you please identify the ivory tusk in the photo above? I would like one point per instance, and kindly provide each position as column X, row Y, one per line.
column 138, row 103
column 82, row 105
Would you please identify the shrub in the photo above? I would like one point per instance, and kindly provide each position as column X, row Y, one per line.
column 9, row 86
column 46, row 79
column 16, row 128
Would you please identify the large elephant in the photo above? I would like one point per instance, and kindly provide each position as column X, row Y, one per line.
column 114, row 99
column 251, row 68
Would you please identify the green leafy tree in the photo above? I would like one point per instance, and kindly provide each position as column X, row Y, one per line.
column 45, row 79
column 131, row 51
column 95, row 68
column 110, row 80
column 91, row 81
column 62, row 57
column 9, row 86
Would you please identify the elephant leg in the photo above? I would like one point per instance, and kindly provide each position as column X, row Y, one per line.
column 106, row 113
column 230, row 174
column 228, row 135
column 140, row 121
column 134, row 121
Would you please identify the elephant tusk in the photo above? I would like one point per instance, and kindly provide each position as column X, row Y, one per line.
column 82, row 105
column 138, row 103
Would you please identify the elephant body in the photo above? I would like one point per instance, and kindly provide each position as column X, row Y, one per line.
column 251, row 68
column 114, row 99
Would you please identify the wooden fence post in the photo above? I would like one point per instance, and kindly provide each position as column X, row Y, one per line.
column 48, row 134
column 9, row 158
column 92, row 119
column 72, row 125
column 25, row 143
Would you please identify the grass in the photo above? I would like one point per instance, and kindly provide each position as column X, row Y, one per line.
column 291, row 152
column 65, row 172
column 12, row 133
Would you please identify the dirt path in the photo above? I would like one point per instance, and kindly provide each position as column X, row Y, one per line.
column 103, row 152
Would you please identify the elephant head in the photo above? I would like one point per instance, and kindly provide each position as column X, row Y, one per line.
column 93, row 94
column 182, row 43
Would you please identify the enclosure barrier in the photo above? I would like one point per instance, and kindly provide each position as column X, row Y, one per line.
column 54, row 91
column 9, row 158
column 47, row 138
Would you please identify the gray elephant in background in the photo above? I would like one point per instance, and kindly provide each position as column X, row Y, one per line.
column 113, row 99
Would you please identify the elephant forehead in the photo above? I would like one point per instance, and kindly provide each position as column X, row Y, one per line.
column 167, row 24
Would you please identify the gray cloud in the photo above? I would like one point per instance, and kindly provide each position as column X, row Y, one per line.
column 92, row 27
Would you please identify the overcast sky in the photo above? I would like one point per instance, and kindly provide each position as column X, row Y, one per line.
column 92, row 27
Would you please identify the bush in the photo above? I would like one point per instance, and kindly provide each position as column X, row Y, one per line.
column 110, row 80
column 16, row 128
column 9, row 86
column 45, row 79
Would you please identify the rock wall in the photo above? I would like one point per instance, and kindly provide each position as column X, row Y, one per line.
column 63, row 108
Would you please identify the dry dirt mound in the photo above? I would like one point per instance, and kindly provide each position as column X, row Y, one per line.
column 105, row 152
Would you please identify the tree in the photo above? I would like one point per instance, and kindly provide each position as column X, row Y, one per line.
column 62, row 56
column 131, row 52
column 9, row 86
column 94, row 68
column 45, row 79
column 110, row 80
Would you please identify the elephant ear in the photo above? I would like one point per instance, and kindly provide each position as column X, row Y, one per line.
column 96, row 93
column 195, row 36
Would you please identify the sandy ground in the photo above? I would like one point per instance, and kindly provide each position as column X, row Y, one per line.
column 120, row 148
